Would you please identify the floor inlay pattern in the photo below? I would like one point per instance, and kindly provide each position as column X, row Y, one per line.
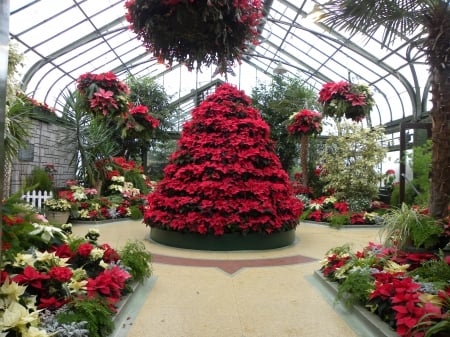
column 231, row 266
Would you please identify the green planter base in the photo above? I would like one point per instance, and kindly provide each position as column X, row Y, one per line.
column 226, row 242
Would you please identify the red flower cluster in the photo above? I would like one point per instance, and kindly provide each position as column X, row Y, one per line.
column 225, row 177
column 338, row 99
column 108, row 97
column 43, row 107
column 305, row 122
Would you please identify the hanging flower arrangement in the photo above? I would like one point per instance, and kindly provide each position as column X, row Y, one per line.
column 139, row 123
column 107, row 97
column 204, row 32
column 305, row 123
column 345, row 99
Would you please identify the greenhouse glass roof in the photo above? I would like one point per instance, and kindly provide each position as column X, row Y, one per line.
column 63, row 39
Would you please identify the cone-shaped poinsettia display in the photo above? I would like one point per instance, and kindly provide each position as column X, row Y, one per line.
column 225, row 176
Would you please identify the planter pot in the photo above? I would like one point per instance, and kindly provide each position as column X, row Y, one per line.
column 57, row 218
column 226, row 242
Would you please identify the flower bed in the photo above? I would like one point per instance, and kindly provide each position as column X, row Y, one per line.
column 408, row 291
column 53, row 283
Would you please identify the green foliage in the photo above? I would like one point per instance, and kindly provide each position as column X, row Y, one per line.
column 95, row 311
column 436, row 271
column 145, row 91
column 338, row 220
column 276, row 102
column 136, row 213
column 39, row 180
column 421, row 167
column 356, row 287
column 350, row 161
column 395, row 196
column 135, row 256
column 93, row 140
column 405, row 226
column 135, row 177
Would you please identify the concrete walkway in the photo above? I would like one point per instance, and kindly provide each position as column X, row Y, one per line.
column 236, row 294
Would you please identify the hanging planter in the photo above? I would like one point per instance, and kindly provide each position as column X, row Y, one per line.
column 195, row 32
column 345, row 99
column 107, row 98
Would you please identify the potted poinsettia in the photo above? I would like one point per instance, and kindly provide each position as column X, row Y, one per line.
column 345, row 99
column 201, row 32
column 303, row 124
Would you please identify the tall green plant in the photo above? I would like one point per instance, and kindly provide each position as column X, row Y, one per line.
column 276, row 102
column 145, row 91
column 350, row 161
column 94, row 141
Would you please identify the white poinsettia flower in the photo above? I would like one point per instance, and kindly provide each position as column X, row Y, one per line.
column 16, row 315
column 12, row 290
column 47, row 232
column 103, row 264
column 96, row 253
column 51, row 259
column 76, row 287
column 23, row 260
column 34, row 332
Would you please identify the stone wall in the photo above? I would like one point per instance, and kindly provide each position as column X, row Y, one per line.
column 47, row 140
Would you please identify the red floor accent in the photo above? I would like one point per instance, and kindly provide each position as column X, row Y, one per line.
column 231, row 266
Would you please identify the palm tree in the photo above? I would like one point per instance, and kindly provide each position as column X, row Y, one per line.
column 403, row 18
column 94, row 141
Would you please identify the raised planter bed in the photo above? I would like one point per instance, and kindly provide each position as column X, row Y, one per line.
column 362, row 321
column 226, row 242
column 129, row 307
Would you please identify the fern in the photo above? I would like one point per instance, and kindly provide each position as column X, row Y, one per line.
column 95, row 311
column 135, row 256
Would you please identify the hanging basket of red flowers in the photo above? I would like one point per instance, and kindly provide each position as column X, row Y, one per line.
column 139, row 123
column 201, row 32
column 106, row 97
column 104, row 94
column 345, row 99
column 305, row 123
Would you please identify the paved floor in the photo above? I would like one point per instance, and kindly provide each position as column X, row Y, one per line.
column 266, row 293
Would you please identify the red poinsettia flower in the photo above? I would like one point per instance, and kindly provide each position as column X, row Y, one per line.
column 305, row 122
column 61, row 274
column 31, row 277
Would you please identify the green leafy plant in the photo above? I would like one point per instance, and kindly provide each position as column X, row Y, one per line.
column 338, row 220
column 39, row 180
column 135, row 213
column 135, row 256
column 356, row 287
column 350, row 161
column 406, row 226
column 95, row 311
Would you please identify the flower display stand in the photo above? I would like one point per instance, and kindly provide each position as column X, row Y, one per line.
column 57, row 218
column 226, row 242
column 361, row 320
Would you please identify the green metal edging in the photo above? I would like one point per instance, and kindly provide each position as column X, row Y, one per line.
column 226, row 242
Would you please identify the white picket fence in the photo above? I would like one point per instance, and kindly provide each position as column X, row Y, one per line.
column 37, row 198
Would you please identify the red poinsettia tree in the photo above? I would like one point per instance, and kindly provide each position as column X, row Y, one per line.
column 225, row 176
column 301, row 125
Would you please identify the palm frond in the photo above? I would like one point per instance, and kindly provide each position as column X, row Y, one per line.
column 394, row 19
